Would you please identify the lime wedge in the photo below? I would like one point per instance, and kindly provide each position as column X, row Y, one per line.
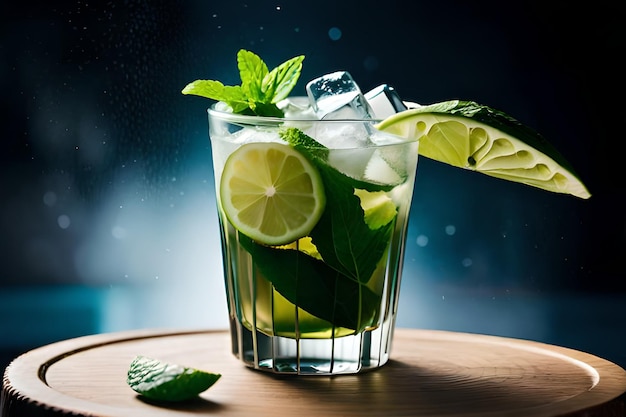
column 469, row 135
column 271, row 193
column 378, row 208
column 167, row 382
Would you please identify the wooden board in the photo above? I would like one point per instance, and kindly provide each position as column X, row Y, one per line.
column 432, row 373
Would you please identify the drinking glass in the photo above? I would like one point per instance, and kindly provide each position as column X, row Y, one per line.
column 325, row 304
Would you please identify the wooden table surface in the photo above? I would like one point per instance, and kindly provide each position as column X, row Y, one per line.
column 432, row 373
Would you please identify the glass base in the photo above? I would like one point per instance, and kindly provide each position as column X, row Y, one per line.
column 309, row 366
column 336, row 356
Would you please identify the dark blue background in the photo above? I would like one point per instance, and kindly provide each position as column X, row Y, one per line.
column 108, row 217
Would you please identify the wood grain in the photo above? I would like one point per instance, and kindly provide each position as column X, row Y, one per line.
column 432, row 373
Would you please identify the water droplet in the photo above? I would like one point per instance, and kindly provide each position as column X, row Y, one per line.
column 334, row 33
column 63, row 221
column 119, row 232
column 50, row 198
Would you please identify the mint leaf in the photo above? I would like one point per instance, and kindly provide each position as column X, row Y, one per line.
column 315, row 287
column 265, row 110
column 232, row 95
column 343, row 238
column 281, row 80
column 169, row 382
column 302, row 142
column 252, row 70
column 260, row 89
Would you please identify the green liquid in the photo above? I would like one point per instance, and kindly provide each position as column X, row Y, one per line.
column 316, row 306
column 257, row 305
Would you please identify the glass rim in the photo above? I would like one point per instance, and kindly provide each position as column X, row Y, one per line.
column 272, row 120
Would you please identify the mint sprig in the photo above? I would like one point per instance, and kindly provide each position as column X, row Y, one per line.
column 260, row 88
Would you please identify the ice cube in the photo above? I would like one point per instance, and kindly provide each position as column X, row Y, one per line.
column 297, row 108
column 342, row 135
column 384, row 101
column 387, row 166
column 337, row 96
column 353, row 162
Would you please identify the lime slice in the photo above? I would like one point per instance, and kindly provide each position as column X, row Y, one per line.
column 378, row 208
column 271, row 193
column 167, row 382
column 469, row 135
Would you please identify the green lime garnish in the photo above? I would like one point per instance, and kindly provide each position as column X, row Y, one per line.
column 167, row 382
column 473, row 136
column 271, row 193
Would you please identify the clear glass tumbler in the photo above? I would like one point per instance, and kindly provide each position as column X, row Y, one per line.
column 326, row 303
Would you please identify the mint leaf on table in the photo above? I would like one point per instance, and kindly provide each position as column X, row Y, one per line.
column 167, row 382
column 260, row 88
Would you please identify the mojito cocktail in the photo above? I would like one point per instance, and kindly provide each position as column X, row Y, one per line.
column 314, row 193
column 322, row 299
